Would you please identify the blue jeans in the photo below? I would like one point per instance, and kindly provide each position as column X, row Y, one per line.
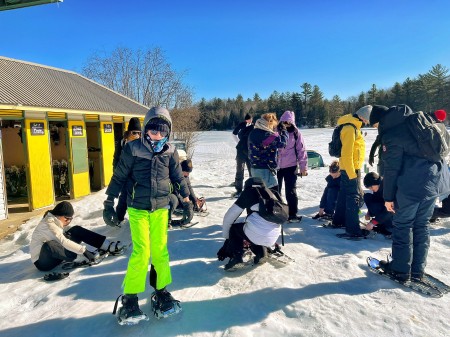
column 266, row 175
column 411, row 235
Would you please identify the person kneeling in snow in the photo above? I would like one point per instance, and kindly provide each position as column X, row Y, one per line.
column 380, row 218
column 330, row 193
column 259, row 232
column 52, row 244
column 176, row 200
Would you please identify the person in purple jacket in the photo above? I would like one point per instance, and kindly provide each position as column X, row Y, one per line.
column 292, row 161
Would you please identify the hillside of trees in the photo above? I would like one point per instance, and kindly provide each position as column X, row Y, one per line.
column 427, row 92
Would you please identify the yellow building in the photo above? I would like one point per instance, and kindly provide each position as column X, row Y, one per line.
column 57, row 135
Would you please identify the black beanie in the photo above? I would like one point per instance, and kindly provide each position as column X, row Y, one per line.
column 186, row 165
column 158, row 124
column 64, row 208
column 134, row 124
column 371, row 178
column 247, row 116
column 378, row 111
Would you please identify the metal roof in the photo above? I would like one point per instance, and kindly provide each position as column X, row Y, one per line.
column 25, row 84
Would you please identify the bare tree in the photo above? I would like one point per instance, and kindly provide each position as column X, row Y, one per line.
column 142, row 75
column 185, row 122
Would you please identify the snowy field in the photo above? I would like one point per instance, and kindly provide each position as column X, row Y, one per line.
column 328, row 291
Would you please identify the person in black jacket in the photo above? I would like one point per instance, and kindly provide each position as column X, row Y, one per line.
column 411, row 186
column 133, row 132
column 241, row 133
column 148, row 168
column 380, row 218
column 330, row 193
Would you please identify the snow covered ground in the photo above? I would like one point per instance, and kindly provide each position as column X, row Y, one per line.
column 328, row 291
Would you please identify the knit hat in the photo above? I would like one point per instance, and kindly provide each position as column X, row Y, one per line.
column 378, row 111
column 134, row 124
column 371, row 178
column 440, row 115
column 64, row 208
column 364, row 112
column 158, row 124
column 247, row 116
column 186, row 165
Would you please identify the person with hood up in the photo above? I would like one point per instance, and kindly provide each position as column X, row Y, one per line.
column 53, row 242
column 133, row 132
column 148, row 168
column 292, row 160
column 350, row 197
column 263, row 145
column 411, row 186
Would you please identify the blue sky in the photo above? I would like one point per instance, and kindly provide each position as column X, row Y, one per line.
column 244, row 47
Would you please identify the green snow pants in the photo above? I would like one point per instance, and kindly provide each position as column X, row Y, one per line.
column 149, row 236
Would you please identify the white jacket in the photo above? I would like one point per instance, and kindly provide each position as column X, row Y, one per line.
column 48, row 229
column 258, row 230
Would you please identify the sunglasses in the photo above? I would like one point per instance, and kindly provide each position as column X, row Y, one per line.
column 155, row 132
column 134, row 133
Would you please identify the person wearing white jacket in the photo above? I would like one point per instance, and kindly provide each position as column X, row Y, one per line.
column 259, row 232
column 51, row 243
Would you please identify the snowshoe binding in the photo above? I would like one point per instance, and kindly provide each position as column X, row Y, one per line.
column 164, row 305
column 129, row 313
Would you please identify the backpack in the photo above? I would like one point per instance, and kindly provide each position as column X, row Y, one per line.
column 335, row 146
column 271, row 207
column 432, row 138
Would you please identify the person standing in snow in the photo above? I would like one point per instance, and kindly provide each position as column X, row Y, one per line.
column 350, row 196
column 263, row 145
column 133, row 132
column 291, row 159
column 241, row 133
column 411, row 186
column 52, row 242
column 148, row 168
column 256, row 230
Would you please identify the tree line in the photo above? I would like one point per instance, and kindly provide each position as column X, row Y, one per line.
column 147, row 77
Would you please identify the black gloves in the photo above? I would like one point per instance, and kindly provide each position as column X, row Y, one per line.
column 223, row 252
column 188, row 212
column 89, row 255
column 109, row 214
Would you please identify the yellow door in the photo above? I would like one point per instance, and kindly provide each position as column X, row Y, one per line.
column 38, row 165
column 78, row 155
column 107, row 150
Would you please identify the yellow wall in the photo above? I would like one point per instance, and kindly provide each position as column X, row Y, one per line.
column 107, row 151
column 39, row 166
column 80, row 186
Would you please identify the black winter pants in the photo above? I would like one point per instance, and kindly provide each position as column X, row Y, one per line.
column 349, row 201
column 53, row 253
column 290, row 179
column 241, row 161
column 237, row 237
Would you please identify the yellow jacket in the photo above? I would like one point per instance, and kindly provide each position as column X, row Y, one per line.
column 353, row 146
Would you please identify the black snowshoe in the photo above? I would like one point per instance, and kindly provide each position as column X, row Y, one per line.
column 164, row 305
column 129, row 313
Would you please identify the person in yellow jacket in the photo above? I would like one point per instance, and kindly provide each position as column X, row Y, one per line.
column 350, row 196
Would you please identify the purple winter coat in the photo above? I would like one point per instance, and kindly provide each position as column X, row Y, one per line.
column 286, row 155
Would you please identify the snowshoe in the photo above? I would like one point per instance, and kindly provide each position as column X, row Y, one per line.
column 164, row 305
column 55, row 276
column 129, row 313
column 114, row 248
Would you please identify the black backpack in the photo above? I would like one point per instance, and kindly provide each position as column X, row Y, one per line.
column 432, row 138
column 271, row 207
column 335, row 146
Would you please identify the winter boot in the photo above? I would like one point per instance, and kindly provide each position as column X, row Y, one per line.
column 235, row 263
column 129, row 313
column 112, row 248
column 163, row 304
column 387, row 269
